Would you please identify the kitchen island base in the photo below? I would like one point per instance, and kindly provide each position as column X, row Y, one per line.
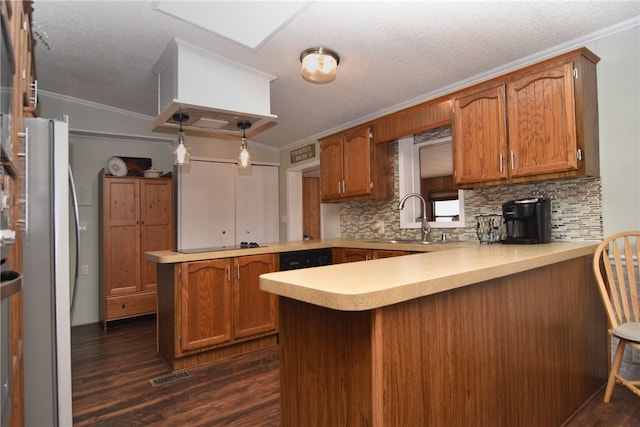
column 526, row 349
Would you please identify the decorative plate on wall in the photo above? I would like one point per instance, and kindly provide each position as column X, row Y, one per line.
column 117, row 166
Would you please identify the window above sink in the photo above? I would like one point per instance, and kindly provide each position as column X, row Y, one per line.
column 428, row 156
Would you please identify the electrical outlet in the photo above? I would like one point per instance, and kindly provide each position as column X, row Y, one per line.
column 84, row 270
column 635, row 355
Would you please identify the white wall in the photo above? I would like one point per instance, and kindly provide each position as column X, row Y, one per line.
column 619, row 111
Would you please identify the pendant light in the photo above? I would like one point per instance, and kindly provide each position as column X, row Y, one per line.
column 244, row 157
column 319, row 65
column 181, row 155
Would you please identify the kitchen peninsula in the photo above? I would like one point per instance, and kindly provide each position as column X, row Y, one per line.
column 460, row 334
column 478, row 335
column 210, row 304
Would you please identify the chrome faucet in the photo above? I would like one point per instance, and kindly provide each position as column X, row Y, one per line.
column 426, row 228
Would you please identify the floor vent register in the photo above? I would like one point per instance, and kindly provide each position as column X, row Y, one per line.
column 170, row 378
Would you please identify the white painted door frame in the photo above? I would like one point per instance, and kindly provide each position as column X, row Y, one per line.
column 294, row 199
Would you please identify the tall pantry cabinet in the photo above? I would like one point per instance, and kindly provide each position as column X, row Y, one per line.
column 136, row 216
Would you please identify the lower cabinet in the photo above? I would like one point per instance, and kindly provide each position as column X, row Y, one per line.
column 205, row 304
column 342, row 255
column 254, row 310
column 215, row 308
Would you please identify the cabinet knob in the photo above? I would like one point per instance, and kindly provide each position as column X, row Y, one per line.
column 122, row 306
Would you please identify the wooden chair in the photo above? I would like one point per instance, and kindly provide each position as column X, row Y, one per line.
column 615, row 265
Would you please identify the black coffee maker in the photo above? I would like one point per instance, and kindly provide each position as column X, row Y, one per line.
column 527, row 221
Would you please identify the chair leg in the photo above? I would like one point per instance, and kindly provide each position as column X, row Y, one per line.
column 615, row 368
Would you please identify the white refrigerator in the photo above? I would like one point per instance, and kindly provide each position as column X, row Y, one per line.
column 47, row 274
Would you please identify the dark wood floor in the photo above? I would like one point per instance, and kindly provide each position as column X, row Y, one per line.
column 112, row 373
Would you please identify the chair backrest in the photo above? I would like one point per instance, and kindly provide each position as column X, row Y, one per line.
column 615, row 264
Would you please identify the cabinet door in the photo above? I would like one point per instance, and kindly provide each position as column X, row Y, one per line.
column 354, row 255
column 254, row 310
column 156, row 219
column 480, row 136
column 382, row 253
column 206, row 205
column 205, row 304
column 121, row 224
column 542, row 123
column 356, row 167
column 331, row 168
column 257, row 205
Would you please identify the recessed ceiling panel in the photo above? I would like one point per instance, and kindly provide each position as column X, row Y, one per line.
column 247, row 23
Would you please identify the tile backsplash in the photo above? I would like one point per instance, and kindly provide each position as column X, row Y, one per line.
column 576, row 210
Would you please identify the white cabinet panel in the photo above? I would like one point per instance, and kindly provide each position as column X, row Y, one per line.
column 221, row 206
column 257, row 207
column 206, row 205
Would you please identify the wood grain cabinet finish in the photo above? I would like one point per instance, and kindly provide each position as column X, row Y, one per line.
column 480, row 135
column 542, row 123
column 412, row 120
column 136, row 216
column 17, row 16
column 352, row 167
column 342, row 255
column 407, row 364
column 534, row 124
column 220, row 302
column 205, row 303
column 254, row 310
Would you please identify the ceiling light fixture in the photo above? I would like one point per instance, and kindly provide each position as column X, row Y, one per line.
column 244, row 158
column 319, row 65
column 181, row 155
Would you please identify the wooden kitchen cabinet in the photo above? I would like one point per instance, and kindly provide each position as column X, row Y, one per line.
column 533, row 124
column 342, row 255
column 542, row 121
column 220, row 303
column 480, row 136
column 412, row 120
column 136, row 216
column 352, row 167
column 254, row 311
column 205, row 303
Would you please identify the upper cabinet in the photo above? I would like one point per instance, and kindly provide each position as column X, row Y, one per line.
column 352, row 167
column 534, row 124
column 412, row 120
column 480, row 135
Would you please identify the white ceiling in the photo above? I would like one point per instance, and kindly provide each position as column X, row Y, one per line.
column 392, row 53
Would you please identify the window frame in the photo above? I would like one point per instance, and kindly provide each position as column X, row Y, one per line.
column 409, row 182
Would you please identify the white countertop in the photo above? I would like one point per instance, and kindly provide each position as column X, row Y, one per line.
column 371, row 284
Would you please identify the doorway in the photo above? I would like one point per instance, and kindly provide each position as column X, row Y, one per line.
column 329, row 217
column 311, row 204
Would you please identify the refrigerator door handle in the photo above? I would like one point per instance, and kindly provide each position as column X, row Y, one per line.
column 76, row 216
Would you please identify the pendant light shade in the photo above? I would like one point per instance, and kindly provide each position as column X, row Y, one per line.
column 319, row 65
column 181, row 155
column 244, row 157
